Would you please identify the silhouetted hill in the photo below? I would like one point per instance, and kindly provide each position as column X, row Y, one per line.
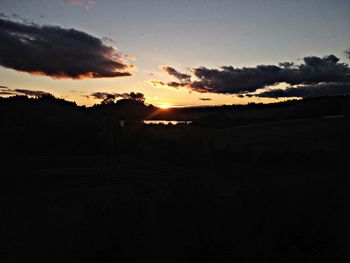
column 228, row 115
column 48, row 125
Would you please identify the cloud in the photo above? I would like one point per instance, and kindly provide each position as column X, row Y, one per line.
column 230, row 80
column 6, row 93
column 313, row 90
column 57, row 52
column 13, row 92
column 178, row 75
column 34, row 93
column 136, row 96
column 204, row 99
column 88, row 4
column 4, row 90
column 162, row 84
column 111, row 96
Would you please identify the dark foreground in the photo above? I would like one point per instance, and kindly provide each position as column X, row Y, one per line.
column 80, row 190
column 250, row 215
column 112, row 208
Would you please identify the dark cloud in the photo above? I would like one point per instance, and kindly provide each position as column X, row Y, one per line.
column 172, row 84
column 230, row 80
column 6, row 93
column 136, row 96
column 102, row 95
column 176, row 85
column 173, row 72
column 111, row 96
column 4, row 90
column 157, row 83
column 313, row 90
column 204, row 98
column 33, row 93
column 57, row 52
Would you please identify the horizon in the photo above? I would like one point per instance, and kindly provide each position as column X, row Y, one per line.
column 177, row 54
column 160, row 107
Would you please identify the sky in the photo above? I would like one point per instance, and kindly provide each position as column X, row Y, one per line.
column 174, row 51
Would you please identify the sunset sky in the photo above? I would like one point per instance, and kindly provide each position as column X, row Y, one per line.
column 177, row 53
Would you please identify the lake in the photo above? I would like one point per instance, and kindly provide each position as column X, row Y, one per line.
column 166, row 122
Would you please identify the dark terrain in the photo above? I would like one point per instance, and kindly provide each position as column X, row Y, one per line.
column 253, row 183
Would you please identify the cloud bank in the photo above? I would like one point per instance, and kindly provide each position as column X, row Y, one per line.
column 316, row 76
column 314, row 90
column 57, row 52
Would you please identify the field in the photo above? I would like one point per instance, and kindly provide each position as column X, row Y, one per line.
column 122, row 208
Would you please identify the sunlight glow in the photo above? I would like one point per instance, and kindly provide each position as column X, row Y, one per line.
column 164, row 106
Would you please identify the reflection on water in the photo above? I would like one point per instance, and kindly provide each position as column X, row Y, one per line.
column 166, row 122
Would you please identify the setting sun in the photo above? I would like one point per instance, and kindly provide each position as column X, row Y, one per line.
column 164, row 106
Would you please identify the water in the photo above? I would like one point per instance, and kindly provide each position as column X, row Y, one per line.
column 166, row 122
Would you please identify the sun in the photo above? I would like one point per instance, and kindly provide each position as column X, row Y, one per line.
column 164, row 106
